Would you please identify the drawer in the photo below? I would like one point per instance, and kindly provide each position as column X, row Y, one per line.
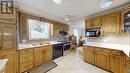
column 115, row 52
column 26, row 51
column 26, row 66
column 102, row 50
column 26, row 57
column 39, row 49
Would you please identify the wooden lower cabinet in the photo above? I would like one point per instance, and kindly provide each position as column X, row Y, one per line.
column 110, row 60
column 47, row 53
column 25, row 59
column 102, row 60
column 116, row 64
column 42, row 55
column 38, row 56
column 11, row 56
column 89, row 54
column 32, row 57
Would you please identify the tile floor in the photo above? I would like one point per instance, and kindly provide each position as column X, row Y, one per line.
column 73, row 63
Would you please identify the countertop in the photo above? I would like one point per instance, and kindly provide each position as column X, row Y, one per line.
column 33, row 45
column 3, row 63
column 121, row 47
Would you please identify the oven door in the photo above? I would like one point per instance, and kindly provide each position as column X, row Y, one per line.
column 66, row 49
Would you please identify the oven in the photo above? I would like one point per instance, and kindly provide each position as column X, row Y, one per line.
column 66, row 49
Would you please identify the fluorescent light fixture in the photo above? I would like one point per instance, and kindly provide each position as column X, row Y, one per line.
column 105, row 3
column 57, row 1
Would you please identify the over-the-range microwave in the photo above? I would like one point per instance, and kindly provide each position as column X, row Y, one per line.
column 92, row 33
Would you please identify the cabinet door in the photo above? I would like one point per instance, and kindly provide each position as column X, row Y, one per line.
column 88, row 24
column 125, row 20
column 116, row 64
column 38, row 56
column 89, row 54
column 11, row 64
column 47, row 53
column 111, row 24
column 8, row 36
column 96, row 22
column 102, row 60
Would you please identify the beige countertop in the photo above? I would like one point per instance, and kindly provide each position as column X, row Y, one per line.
column 32, row 45
column 3, row 63
column 122, row 47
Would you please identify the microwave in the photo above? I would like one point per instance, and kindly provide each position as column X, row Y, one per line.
column 92, row 33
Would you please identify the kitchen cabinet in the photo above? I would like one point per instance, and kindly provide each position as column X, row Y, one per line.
column 38, row 56
column 125, row 20
column 117, row 62
column 11, row 56
column 108, row 59
column 8, row 35
column 96, row 22
column 102, row 58
column 89, row 54
column 42, row 55
column 47, row 53
column 25, row 59
column 88, row 23
column 93, row 23
column 111, row 23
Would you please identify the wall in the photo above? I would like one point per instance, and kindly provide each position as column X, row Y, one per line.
column 23, row 29
column 80, row 25
column 116, row 39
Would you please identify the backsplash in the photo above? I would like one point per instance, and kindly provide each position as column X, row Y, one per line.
column 116, row 39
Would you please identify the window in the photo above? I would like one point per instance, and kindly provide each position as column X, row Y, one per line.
column 38, row 30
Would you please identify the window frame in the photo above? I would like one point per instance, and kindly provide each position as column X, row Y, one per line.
column 29, row 33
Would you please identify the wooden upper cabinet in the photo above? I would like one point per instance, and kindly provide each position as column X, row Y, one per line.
column 93, row 23
column 96, row 23
column 125, row 20
column 110, row 23
column 89, row 54
column 88, row 24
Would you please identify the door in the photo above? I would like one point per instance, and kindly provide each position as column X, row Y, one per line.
column 8, row 36
column 11, row 64
column 111, row 24
column 47, row 53
column 89, row 54
column 96, row 22
column 102, row 60
column 88, row 24
column 38, row 56
column 116, row 64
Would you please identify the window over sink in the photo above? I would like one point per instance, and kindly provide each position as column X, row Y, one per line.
column 38, row 30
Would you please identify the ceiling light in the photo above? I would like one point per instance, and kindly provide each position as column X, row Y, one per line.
column 67, row 18
column 57, row 1
column 105, row 3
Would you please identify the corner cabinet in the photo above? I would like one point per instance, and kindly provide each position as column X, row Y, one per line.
column 125, row 17
column 111, row 23
column 108, row 59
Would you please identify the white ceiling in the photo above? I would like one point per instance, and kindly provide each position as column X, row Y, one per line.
column 78, row 9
